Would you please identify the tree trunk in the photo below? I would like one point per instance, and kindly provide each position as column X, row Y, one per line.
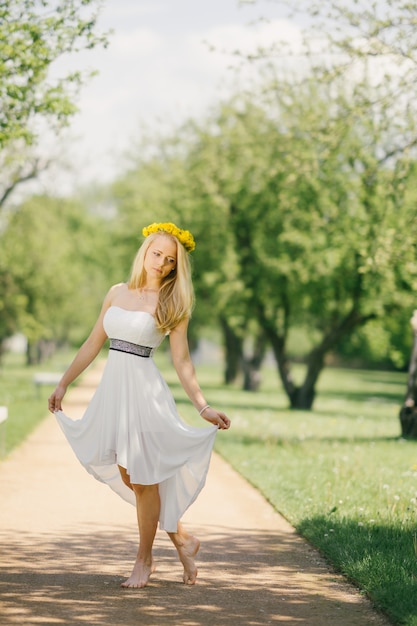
column 408, row 412
column 283, row 364
column 30, row 360
column 21, row 176
column 233, row 345
column 37, row 352
column 252, row 365
column 302, row 397
column 408, row 419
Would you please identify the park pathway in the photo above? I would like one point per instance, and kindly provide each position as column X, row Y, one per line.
column 66, row 543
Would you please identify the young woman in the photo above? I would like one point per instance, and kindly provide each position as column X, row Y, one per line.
column 131, row 436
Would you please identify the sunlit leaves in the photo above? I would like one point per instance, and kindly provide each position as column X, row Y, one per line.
column 53, row 271
column 32, row 36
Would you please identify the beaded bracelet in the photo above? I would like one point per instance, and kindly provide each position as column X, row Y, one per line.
column 204, row 408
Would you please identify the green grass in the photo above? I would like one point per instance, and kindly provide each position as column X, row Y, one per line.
column 26, row 403
column 340, row 474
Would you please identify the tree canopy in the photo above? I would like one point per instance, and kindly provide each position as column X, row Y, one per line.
column 53, row 268
column 301, row 220
column 34, row 34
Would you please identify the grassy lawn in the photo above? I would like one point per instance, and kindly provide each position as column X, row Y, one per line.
column 340, row 473
column 27, row 404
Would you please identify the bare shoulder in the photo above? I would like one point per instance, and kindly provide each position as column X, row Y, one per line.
column 113, row 293
column 117, row 289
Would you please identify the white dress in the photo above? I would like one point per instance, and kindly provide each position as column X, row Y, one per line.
column 132, row 421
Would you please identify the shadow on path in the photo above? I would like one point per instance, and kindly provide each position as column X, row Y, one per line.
column 244, row 580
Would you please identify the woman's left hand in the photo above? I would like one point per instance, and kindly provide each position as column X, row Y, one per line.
column 217, row 418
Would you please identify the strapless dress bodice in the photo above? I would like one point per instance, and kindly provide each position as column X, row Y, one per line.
column 134, row 326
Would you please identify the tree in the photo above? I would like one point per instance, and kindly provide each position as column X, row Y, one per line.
column 303, row 219
column 53, row 270
column 322, row 225
column 376, row 40
column 33, row 35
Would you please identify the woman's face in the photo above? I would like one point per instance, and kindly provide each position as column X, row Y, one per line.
column 160, row 258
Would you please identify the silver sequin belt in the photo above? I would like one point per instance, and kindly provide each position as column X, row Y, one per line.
column 130, row 348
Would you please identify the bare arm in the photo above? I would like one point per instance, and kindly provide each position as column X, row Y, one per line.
column 84, row 357
column 188, row 379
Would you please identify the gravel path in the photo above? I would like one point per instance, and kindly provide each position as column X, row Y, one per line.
column 66, row 543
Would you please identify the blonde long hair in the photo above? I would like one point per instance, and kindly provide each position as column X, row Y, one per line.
column 176, row 294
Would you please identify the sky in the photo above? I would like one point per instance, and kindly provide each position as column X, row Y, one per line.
column 167, row 60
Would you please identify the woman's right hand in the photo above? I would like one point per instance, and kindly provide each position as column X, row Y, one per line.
column 55, row 399
column 217, row 418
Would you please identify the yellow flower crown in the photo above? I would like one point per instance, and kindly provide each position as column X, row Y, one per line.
column 183, row 236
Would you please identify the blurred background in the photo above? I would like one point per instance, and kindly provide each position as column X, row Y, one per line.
column 282, row 136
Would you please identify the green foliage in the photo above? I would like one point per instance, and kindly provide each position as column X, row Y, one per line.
column 34, row 94
column 33, row 35
column 53, row 258
column 385, row 343
column 300, row 221
column 302, row 200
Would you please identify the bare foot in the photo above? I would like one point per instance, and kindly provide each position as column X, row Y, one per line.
column 139, row 576
column 187, row 550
